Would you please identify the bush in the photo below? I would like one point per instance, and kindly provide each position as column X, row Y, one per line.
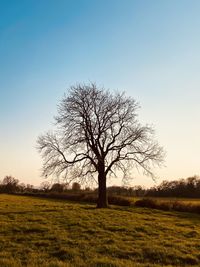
column 168, row 205
column 76, row 186
column 57, row 187
column 85, row 197
column 119, row 201
column 187, row 207
column 91, row 198
column 146, row 203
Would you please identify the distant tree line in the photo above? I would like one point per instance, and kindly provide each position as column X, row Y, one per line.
column 188, row 188
column 9, row 184
column 12, row 185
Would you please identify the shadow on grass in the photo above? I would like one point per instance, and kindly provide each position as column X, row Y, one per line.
column 189, row 216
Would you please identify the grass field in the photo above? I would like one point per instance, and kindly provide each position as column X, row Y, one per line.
column 44, row 232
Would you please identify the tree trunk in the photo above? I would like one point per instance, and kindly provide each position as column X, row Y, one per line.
column 102, row 201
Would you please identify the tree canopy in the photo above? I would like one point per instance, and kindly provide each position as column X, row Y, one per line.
column 98, row 135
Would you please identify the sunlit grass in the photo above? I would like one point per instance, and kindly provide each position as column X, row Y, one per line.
column 44, row 232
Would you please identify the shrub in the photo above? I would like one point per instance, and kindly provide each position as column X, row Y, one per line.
column 187, row 207
column 168, row 205
column 146, row 203
column 57, row 188
column 91, row 198
column 86, row 197
column 76, row 186
column 118, row 200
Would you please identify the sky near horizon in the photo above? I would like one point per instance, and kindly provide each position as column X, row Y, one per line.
column 149, row 49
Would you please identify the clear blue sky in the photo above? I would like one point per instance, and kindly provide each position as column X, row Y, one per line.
column 150, row 49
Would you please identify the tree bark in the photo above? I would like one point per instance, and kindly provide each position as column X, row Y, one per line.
column 102, row 201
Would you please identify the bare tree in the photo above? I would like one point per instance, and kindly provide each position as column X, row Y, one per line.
column 10, row 184
column 45, row 186
column 98, row 134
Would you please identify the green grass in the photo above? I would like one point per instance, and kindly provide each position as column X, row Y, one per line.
column 44, row 232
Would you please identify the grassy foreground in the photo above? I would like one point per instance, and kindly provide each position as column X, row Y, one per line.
column 44, row 232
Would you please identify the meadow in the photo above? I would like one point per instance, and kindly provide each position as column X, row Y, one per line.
column 58, row 233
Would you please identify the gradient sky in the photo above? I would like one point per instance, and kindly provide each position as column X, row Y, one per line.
column 150, row 49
